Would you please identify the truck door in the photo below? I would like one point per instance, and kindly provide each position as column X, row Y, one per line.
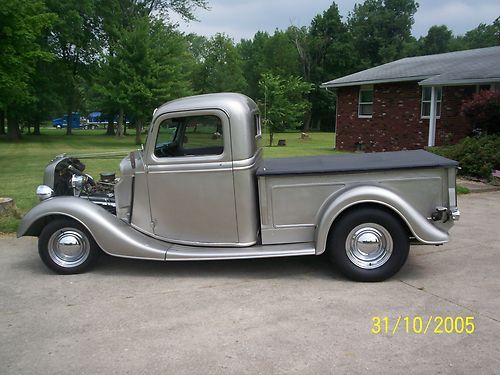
column 190, row 179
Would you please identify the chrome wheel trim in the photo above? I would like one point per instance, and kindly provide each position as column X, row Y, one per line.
column 369, row 245
column 68, row 247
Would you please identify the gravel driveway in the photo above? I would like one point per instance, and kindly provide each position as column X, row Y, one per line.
column 273, row 316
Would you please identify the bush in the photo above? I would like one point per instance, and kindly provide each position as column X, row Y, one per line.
column 483, row 111
column 477, row 156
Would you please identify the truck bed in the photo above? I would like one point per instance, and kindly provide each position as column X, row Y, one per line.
column 345, row 163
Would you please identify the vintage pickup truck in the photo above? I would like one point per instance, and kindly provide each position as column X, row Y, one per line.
column 200, row 190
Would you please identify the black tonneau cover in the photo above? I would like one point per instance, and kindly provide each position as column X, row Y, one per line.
column 353, row 163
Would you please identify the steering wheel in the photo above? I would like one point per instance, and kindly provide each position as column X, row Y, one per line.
column 169, row 149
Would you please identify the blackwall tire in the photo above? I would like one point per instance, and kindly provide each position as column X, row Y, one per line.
column 368, row 244
column 66, row 247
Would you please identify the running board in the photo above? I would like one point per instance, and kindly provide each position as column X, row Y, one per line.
column 180, row 252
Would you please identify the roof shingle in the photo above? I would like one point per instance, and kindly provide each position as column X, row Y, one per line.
column 453, row 68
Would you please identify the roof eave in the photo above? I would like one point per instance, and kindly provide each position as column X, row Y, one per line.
column 374, row 81
column 459, row 82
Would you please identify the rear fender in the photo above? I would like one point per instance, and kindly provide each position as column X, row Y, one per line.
column 418, row 225
column 113, row 236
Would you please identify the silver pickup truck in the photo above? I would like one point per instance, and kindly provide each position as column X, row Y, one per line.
column 200, row 190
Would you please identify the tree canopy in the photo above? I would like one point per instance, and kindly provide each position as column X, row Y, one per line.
column 126, row 57
column 284, row 102
column 21, row 27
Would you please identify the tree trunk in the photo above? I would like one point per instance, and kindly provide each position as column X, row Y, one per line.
column 271, row 139
column 36, row 128
column 307, row 122
column 2, row 122
column 110, row 130
column 8, row 207
column 119, row 128
column 13, row 132
column 68, row 128
column 138, row 129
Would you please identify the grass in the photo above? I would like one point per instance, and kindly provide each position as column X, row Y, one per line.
column 317, row 144
column 22, row 163
column 462, row 190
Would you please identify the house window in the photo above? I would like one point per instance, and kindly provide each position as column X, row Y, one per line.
column 365, row 108
column 426, row 101
column 483, row 87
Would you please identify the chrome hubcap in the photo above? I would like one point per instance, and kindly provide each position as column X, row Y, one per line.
column 369, row 245
column 68, row 247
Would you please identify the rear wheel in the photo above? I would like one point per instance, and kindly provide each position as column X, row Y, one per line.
column 66, row 247
column 368, row 244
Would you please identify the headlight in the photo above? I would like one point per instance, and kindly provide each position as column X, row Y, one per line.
column 44, row 192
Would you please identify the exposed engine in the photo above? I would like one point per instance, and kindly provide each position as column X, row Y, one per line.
column 68, row 178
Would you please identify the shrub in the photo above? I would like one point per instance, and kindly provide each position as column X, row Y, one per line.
column 477, row 156
column 483, row 111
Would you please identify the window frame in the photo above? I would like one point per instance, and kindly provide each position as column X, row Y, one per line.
column 439, row 100
column 258, row 125
column 365, row 88
column 224, row 156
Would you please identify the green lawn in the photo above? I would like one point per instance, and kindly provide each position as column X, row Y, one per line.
column 22, row 163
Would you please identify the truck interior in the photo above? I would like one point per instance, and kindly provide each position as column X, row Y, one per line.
column 189, row 136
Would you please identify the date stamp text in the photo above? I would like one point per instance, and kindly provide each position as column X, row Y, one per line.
column 383, row 325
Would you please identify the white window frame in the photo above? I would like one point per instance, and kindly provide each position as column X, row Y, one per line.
column 360, row 103
column 438, row 101
column 492, row 87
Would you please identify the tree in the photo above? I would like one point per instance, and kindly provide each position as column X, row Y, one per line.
column 119, row 15
column 21, row 27
column 438, row 40
column 483, row 35
column 44, row 104
column 197, row 45
column 148, row 68
column 280, row 54
column 331, row 46
column 284, row 102
column 332, row 54
column 253, row 61
column 380, row 29
column 123, row 21
column 267, row 53
column 75, row 40
column 221, row 68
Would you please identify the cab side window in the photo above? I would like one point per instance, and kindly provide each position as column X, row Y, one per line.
column 190, row 136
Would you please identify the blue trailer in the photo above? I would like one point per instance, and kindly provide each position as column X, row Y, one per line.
column 96, row 119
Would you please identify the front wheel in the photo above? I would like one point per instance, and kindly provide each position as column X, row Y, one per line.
column 66, row 247
column 368, row 244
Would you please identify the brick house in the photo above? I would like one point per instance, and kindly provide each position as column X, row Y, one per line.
column 413, row 102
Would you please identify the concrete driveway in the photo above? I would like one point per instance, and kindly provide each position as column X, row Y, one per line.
column 259, row 316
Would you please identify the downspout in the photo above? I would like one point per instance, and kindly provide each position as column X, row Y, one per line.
column 432, row 118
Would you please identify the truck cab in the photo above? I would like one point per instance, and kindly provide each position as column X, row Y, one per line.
column 200, row 157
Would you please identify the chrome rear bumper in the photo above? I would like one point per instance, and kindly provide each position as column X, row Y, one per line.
column 455, row 214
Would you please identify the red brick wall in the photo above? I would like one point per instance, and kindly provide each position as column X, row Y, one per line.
column 396, row 122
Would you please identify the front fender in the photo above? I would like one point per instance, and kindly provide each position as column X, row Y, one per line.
column 113, row 236
column 419, row 226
